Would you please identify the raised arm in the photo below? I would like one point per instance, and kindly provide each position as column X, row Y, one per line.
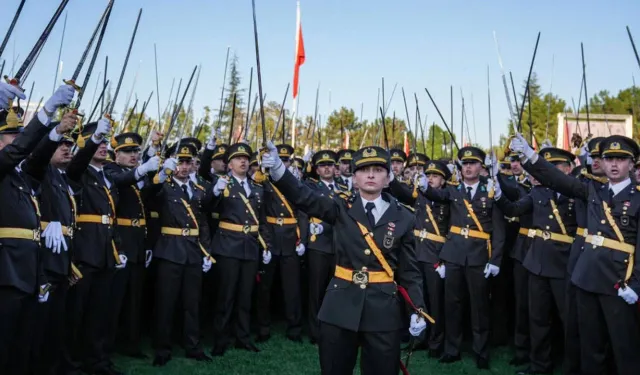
column 521, row 207
column 307, row 200
column 14, row 153
column 548, row 175
column 508, row 188
column 81, row 160
column 402, row 192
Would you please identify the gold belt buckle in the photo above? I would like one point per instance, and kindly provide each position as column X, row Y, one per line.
column 464, row 232
column 280, row 221
column 36, row 235
column 135, row 222
column 586, row 232
column 360, row 278
column 546, row 235
column 186, row 232
column 423, row 234
column 246, row 229
column 105, row 219
column 597, row 240
column 531, row 233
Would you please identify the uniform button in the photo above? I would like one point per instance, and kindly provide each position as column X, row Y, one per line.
column 626, row 261
column 468, row 215
column 281, row 214
column 364, row 269
column 282, row 204
column 602, row 222
column 599, row 233
column 335, row 285
column 367, row 252
column 362, row 286
column 550, row 216
column 547, row 227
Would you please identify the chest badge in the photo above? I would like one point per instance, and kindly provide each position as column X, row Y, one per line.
column 624, row 220
column 388, row 241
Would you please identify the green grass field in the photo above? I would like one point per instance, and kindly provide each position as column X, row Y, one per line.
column 283, row 357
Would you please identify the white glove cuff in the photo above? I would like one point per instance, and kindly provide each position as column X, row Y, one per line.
column 278, row 171
column 43, row 117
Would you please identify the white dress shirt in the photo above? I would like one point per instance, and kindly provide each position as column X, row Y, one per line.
column 348, row 181
column 379, row 210
column 619, row 186
column 473, row 187
column 329, row 183
column 101, row 171
column 244, row 182
column 180, row 183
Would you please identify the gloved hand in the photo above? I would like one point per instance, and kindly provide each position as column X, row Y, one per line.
column 170, row 164
column 123, row 261
column 54, row 239
column 495, row 167
column 43, row 297
column 441, row 270
column 148, row 255
column 308, row 153
column 271, row 160
column 546, row 144
column 266, row 257
column 300, row 249
column 61, row 97
column 498, row 191
column 490, row 184
column 316, row 229
column 103, row 128
column 8, row 92
column 628, row 295
column 423, row 183
column 520, row 145
column 220, row 186
column 417, row 325
column 150, row 165
column 206, row 264
column 491, row 270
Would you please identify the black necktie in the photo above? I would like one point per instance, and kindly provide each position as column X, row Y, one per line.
column 469, row 188
column 331, row 187
column 369, row 207
column 242, row 186
column 186, row 192
column 611, row 196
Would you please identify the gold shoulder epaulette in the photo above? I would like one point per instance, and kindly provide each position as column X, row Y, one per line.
column 638, row 187
column 453, row 183
column 506, row 173
column 199, row 187
column 407, row 207
column 602, row 180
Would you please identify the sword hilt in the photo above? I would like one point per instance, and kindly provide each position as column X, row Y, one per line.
column 73, row 84
column 14, row 82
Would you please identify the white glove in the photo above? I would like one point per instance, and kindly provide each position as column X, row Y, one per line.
column 170, row 164
column 42, row 298
column 628, row 295
column 148, row 255
column 294, row 171
column 495, row 167
column 150, row 166
column 520, row 145
column 316, row 228
column 103, row 128
column 266, row 257
column 307, row 154
column 54, row 239
column 220, row 186
column 211, row 143
column 300, row 249
column 490, row 184
column 206, row 264
column 441, row 270
column 8, row 92
column 423, row 183
column 417, row 325
column 546, row 144
column 497, row 190
column 491, row 270
column 61, row 97
column 123, row 261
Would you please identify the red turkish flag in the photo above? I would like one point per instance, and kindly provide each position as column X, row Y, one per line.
column 300, row 55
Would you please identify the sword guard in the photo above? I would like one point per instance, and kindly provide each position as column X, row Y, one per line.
column 13, row 82
column 72, row 83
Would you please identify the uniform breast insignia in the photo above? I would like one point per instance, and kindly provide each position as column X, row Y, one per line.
column 624, row 220
column 389, row 238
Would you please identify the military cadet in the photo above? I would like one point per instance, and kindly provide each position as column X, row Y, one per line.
column 432, row 225
column 57, row 206
column 472, row 253
column 127, row 284
column 516, row 185
column 362, row 307
column 180, row 254
column 416, row 162
column 398, row 159
column 286, row 250
column 239, row 243
column 96, row 247
column 22, row 280
column 299, row 164
column 552, row 231
column 320, row 255
column 607, row 271
column 253, row 164
column 344, row 166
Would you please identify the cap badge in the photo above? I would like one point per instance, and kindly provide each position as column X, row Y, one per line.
column 432, row 166
column 547, row 155
column 347, row 154
column 614, row 146
column 369, row 153
column 467, row 153
column 241, row 149
column 185, row 150
column 128, row 140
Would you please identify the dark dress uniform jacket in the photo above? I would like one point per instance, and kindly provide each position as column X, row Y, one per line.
column 378, row 307
column 284, row 237
column 471, row 251
column 322, row 242
column 428, row 251
column 19, row 258
column 599, row 269
column 93, row 242
column 233, row 210
column 514, row 189
column 56, row 201
column 174, row 214
column 546, row 258
column 131, row 207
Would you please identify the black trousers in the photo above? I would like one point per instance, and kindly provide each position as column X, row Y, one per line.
column 177, row 282
column 546, row 298
column 48, row 339
column 434, row 285
column 87, row 318
column 126, row 305
column 457, row 278
column 289, row 267
column 521, row 338
column 501, row 302
column 571, row 331
column 321, row 269
column 17, row 311
column 602, row 319
column 236, row 279
column 338, row 349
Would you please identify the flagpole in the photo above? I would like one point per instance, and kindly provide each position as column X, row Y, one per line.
column 298, row 60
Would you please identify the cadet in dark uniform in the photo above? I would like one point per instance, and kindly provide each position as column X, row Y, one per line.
column 239, row 241
column 607, row 272
column 432, row 225
column 375, row 249
column 180, row 254
column 47, row 164
column 286, row 249
column 22, row 280
column 127, row 285
column 320, row 257
column 553, row 230
column 398, row 159
column 471, row 254
column 344, row 165
column 416, row 162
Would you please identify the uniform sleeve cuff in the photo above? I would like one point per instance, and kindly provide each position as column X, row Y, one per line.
column 43, row 117
column 54, row 136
